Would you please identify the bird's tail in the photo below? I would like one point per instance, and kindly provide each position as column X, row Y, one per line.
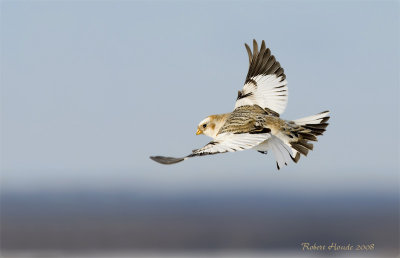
column 295, row 136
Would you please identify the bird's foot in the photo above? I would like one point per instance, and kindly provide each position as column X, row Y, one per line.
column 263, row 152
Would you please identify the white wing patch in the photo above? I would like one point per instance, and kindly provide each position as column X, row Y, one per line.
column 282, row 151
column 267, row 91
column 229, row 142
column 223, row 143
column 315, row 119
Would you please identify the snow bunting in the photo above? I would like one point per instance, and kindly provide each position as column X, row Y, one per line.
column 255, row 122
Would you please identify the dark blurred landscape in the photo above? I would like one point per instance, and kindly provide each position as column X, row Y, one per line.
column 128, row 221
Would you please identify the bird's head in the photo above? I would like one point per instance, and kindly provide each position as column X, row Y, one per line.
column 206, row 127
column 211, row 125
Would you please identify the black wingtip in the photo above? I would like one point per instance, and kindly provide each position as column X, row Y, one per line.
column 166, row 160
column 255, row 48
column 263, row 42
column 263, row 45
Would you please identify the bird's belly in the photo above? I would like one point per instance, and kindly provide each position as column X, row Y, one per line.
column 262, row 146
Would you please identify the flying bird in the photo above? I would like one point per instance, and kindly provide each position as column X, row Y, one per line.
column 255, row 122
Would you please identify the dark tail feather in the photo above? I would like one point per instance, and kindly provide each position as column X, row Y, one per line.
column 309, row 128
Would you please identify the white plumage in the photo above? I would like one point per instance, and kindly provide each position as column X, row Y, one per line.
column 269, row 92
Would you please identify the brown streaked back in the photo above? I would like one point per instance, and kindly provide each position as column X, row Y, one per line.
column 245, row 119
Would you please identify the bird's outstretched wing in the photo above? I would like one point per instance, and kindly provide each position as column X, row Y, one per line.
column 265, row 83
column 227, row 142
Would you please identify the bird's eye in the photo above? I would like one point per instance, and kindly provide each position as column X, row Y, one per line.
column 204, row 125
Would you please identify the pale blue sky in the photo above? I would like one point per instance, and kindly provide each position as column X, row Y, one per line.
column 90, row 89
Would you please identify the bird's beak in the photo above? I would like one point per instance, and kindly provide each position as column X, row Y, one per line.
column 198, row 131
